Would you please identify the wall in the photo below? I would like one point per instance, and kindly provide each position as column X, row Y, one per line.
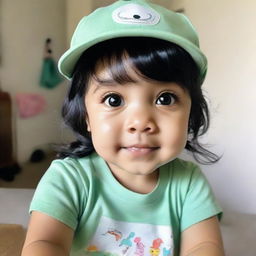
column 25, row 26
column 228, row 38
column 100, row 3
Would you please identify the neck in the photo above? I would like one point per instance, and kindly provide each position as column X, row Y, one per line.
column 142, row 184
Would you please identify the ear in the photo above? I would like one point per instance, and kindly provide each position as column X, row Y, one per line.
column 87, row 123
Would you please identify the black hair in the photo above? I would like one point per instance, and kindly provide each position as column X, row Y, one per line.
column 152, row 59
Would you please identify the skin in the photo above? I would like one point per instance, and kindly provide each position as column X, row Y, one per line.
column 145, row 128
column 135, row 137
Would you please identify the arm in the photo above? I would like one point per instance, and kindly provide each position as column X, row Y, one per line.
column 202, row 239
column 47, row 237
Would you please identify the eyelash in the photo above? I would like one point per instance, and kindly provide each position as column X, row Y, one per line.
column 174, row 96
column 107, row 96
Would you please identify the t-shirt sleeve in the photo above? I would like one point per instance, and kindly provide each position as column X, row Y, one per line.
column 199, row 201
column 59, row 193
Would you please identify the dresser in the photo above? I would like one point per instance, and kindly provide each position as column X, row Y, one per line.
column 6, row 157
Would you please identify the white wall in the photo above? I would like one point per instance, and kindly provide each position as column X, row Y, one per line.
column 99, row 3
column 25, row 26
column 228, row 38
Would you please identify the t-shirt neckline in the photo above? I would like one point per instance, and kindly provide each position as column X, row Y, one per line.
column 124, row 194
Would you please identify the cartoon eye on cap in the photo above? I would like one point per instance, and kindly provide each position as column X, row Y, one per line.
column 135, row 14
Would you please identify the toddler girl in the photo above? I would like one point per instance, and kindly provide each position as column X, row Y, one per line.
column 134, row 103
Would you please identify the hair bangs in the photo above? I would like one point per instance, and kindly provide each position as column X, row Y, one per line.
column 118, row 67
column 152, row 59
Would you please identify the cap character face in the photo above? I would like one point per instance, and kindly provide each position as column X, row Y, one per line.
column 135, row 14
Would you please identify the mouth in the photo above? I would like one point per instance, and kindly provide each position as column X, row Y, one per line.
column 140, row 150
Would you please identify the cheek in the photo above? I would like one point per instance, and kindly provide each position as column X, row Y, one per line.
column 178, row 135
column 103, row 137
column 101, row 126
column 177, row 131
column 104, row 132
column 105, row 128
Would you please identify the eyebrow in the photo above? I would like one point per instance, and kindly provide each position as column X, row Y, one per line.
column 109, row 82
column 104, row 83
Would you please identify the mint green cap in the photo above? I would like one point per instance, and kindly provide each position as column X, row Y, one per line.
column 129, row 18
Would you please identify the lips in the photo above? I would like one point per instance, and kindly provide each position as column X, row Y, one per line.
column 141, row 146
column 140, row 149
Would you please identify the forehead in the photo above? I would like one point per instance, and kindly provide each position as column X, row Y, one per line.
column 119, row 70
column 105, row 78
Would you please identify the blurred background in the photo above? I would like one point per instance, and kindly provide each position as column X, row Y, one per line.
column 227, row 36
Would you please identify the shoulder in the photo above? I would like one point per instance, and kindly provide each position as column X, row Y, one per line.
column 69, row 175
column 196, row 200
column 71, row 167
column 188, row 180
column 63, row 191
column 185, row 171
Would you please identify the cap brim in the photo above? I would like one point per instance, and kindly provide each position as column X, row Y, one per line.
column 67, row 62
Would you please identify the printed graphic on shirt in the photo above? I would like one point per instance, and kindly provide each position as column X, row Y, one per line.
column 114, row 238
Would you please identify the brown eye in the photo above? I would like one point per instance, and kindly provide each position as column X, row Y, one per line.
column 113, row 100
column 166, row 99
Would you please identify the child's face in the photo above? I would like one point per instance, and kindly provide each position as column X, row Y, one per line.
column 136, row 127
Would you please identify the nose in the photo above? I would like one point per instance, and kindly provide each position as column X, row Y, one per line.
column 141, row 121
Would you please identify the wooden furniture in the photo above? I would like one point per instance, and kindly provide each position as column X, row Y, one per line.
column 8, row 166
column 12, row 239
column 6, row 157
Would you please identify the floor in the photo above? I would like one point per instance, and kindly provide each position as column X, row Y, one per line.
column 29, row 175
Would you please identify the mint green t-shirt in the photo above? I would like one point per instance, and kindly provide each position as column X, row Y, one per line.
column 109, row 219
